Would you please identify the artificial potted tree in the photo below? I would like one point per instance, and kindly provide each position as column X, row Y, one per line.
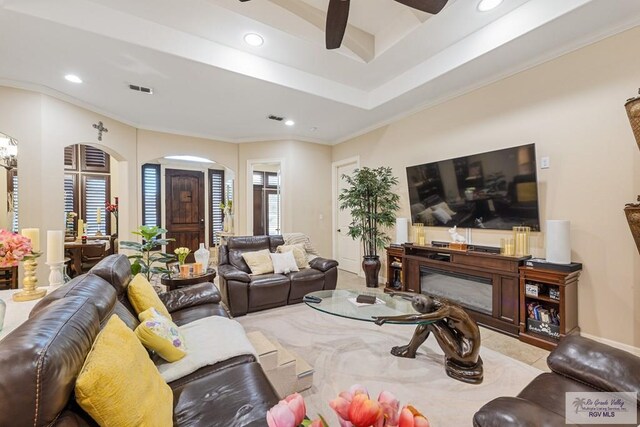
column 373, row 204
column 632, row 210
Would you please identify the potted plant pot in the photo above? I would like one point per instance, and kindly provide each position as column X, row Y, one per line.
column 372, row 200
column 371, row 267
column 632, row 211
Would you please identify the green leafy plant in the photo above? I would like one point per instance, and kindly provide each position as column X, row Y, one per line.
column 373, row 204
column 145, row 255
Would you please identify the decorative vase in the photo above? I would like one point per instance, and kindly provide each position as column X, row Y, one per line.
column 371, row 267
column 202, row 257
column 226, row 220
column 3, row 310
column 633, row 218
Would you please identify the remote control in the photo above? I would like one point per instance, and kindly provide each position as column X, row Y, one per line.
column 312, row 299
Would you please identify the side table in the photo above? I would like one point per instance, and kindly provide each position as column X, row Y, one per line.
column 175, row 281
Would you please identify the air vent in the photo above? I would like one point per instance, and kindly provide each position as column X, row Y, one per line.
column 276, row 118
column 142, row 89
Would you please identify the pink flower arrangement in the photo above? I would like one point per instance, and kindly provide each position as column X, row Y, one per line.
column 13, row 248
column 354, row 408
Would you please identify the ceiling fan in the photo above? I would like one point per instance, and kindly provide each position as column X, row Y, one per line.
column 338, row 15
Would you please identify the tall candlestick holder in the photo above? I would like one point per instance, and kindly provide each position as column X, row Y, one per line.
column 30, row 289
column 56, row 274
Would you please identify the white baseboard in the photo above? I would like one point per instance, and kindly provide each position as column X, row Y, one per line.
column 631, row 349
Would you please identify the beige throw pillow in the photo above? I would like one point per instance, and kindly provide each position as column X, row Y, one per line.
column 259, row 261
column 298, row 253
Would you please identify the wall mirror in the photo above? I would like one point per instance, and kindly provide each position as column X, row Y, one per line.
column 9, row 182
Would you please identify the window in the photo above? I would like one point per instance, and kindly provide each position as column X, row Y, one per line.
column 151, row 194
column 87, row 187
column 266, row 203
column 95, row 191
column 70, row 200
column 216, row 185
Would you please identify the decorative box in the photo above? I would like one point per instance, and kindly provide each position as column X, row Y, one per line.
column 543, row 328
column 554, row 293
column 531, row 289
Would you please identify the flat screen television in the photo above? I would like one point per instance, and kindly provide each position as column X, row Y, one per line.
column 493, row 190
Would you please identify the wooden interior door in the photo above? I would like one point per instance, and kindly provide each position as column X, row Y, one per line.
column 347, row 249
column 185, row 209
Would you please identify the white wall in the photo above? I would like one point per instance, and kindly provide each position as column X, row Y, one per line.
column 306, row 187
column 572, row 108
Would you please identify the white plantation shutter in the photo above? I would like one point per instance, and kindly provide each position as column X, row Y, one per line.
column 95, row 194
column 151, row 194
column 273, row 214
column 258, row 178
column 216, row 182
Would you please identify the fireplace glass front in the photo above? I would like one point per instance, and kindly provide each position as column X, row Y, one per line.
column 469, row 291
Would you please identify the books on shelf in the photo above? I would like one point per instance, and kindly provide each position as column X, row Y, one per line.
column 543, row 314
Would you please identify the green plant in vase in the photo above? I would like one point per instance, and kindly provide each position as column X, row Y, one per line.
column 373, row 204
column 146, row 254
column 182, row 254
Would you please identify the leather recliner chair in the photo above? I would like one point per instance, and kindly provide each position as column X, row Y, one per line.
column 245, row 293
column 578, row 364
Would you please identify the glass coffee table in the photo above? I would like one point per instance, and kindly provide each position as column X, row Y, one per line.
column 456, row 333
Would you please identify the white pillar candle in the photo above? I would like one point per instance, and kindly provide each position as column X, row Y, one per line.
column 80, row 227
column 55, row 246
column 33, row 234
column 99, row 216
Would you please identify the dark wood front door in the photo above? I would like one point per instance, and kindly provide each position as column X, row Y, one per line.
column 185, row 209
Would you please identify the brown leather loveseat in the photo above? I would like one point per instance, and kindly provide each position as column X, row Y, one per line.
column 40, row 360
column 245, row 293
column 578, row 364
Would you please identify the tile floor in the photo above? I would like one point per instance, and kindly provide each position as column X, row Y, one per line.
column 496, row 341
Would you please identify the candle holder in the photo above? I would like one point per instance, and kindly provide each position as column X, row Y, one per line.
column 56, row 274
column 30, row 289
column 521, row 239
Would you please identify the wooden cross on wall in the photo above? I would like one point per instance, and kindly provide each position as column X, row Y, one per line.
column 101, row 129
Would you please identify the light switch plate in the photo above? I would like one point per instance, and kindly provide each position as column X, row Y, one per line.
column 545, row 163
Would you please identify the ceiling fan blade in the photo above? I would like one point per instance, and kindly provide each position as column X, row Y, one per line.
column 337, row 17
column 429, row 6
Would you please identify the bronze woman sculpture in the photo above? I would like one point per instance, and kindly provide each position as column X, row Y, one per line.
column 457, row 334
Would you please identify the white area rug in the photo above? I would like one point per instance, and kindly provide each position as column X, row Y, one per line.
column 345, row 352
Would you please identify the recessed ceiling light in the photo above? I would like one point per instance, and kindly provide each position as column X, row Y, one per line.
column 289, row 122
column 253, row 39
column 487, row 5
column 189, row 159
column 73, row 78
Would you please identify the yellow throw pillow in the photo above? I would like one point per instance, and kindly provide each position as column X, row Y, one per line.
column 298, row 253
column 119, row 385
column 259, row 261
column 142, row 296
column 161, row 335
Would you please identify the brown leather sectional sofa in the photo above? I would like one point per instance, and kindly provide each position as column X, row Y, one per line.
column 578, row 364
column 244, row 293
column 40, row 360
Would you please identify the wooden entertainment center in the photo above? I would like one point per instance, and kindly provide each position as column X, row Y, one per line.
column 500, row 272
